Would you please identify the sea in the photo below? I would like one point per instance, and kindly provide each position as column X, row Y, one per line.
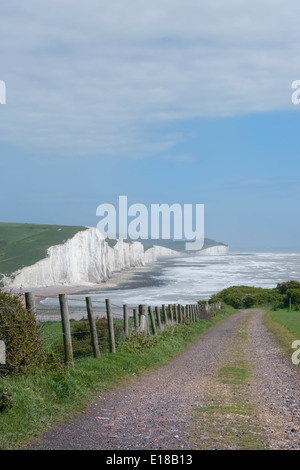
column 187, row 279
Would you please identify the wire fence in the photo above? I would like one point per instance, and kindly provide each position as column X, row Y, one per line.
column 71, row 334
column 80, row 329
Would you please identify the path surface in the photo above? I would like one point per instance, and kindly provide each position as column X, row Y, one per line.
column 157, row 411
column 277, row 386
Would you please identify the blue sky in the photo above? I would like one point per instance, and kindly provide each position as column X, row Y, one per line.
column 168, row 102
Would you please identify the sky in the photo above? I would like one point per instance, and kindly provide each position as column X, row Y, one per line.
column 167, row 101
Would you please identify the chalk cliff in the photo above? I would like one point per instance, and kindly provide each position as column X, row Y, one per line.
column 85, row 259
column 217, row 250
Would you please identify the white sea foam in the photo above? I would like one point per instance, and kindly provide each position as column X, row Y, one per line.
column 188, row 279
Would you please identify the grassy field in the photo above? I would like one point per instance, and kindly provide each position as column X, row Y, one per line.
column 290, row 320
column 43, row 397
column 25, row 244
column 285, row 326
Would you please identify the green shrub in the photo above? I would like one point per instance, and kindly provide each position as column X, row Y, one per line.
column 285, row 286
column 294, row 295
column 138, row 342
column 81, row 336
column 6, row 401
column 247, row 296
column 250, row 300
column 21, row 334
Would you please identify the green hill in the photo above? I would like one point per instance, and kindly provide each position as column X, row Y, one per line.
column 25, row 244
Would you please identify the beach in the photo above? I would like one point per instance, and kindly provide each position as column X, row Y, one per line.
column 133, row 278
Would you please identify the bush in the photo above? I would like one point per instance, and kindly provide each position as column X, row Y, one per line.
column 21, row 334
column 6, row 401
column 81, row 336
column 246, row 296
column 285, row 286
column 291, row 290
column 294, row 295
column 250, row 300
column 138, row 342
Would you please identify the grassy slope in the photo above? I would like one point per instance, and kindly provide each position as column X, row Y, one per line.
column 285, row 326
column 290, row 320
column 25, row 244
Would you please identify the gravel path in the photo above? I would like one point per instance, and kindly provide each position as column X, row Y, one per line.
column 156, row 411
column 278, row 387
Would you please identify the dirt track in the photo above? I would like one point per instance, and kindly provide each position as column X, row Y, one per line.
column 159, row 410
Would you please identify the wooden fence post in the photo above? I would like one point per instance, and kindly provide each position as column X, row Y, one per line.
column 171, row 312
column 165, row 314
column 202, row 312
column 93, row 329
column 152, row 320
column 143, row 317
column 136, row 319
column 30, row 302
column 157, row 312
column 64, row 310
column 147, row 320
column 111, row 332
column 175, row 313
column 180, row 313
column 2, row 352
column 125, row 315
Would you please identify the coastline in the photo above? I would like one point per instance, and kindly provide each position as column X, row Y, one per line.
column 141, row 276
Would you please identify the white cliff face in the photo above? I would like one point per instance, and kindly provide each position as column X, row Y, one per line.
column 85, row 259
column 125, row 255
column 81, row 259
column 152, row 254
column 217, row 250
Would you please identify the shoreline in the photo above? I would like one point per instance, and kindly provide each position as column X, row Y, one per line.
column 135, row 277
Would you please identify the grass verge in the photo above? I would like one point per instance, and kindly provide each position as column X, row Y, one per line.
column 285, row 326
column 41, row 398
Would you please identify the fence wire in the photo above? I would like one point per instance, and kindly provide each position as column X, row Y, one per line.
column 52, row 335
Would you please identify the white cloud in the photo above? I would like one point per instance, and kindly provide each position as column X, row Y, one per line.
column 98, row 77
